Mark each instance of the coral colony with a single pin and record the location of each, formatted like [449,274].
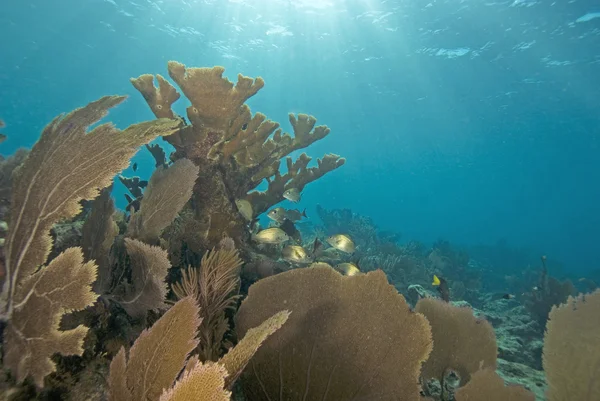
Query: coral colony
[185,296]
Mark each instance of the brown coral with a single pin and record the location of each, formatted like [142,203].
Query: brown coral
[66,165]
[346,338]
[572,350]
[98,234]
[33,334]
[148,289]
[238,357]
[160,353]
[461,342]
[234,149]
[169,189]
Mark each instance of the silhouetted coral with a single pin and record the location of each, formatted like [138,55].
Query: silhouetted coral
[234,150]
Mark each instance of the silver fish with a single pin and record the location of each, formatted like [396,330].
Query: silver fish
[279,214]
[292,194]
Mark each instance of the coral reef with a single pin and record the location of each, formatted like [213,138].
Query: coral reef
[234,149]
[99,304]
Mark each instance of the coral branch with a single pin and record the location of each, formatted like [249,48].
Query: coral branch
[158,98]
[297,176]
[216,102]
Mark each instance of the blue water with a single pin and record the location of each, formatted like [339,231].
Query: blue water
[465,120]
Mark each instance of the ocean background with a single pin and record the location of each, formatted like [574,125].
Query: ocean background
[473,121]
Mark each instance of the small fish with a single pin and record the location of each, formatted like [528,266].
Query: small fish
[279,214]
[342,242]
[317,246]
[245,209]
[290,229]
[347,269]
[442,287]
[134,167]
[502,295]
[321,264]
[292,194]
[273,235]
[295,253]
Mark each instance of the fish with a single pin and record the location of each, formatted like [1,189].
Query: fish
[502,295]
[347,269]
[292,194]
[442,287]
[342,242]
[321,264]
[279,214]
[273,235]
[245,209]
[295,254]
[317,246]
[290,229]
[134,167]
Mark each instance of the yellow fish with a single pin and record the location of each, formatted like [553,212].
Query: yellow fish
[295,253]
[342,242]
[436,280]
[273,235]
[245,209]
[347,269]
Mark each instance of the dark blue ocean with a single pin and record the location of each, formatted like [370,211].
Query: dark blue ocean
[477,122]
